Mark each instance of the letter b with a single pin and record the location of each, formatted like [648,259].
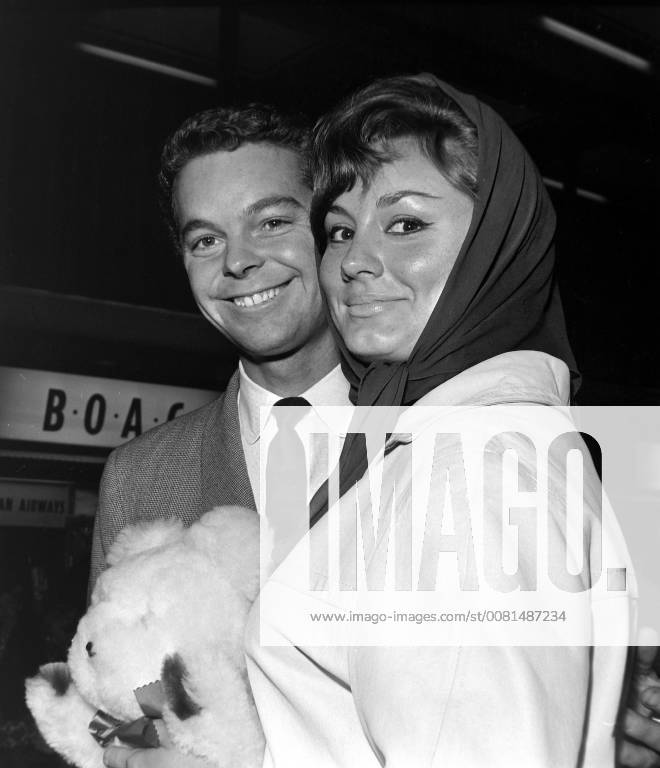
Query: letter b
[54,415]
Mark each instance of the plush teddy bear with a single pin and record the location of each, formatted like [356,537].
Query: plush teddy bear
[170,611]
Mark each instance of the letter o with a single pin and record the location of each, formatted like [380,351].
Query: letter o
[95,414]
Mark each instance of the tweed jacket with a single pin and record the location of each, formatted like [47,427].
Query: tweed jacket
[179,469]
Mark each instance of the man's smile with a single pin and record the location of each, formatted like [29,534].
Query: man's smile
[259,297]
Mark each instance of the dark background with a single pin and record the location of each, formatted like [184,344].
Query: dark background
[90,285]
[80,137]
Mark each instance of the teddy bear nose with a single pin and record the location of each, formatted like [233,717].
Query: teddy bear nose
[89,650]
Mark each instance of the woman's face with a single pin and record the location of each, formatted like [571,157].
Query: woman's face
[390,249]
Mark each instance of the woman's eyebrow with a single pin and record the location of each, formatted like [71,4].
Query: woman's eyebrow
[270,202]
[334,208]
[394,197]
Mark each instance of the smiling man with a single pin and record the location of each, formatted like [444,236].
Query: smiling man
[248,251]
[237,200]
[235,193]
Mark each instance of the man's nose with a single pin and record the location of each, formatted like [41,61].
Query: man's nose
[241,259]
[363,258]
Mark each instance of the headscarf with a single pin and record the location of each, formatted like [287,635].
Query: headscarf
[501,294]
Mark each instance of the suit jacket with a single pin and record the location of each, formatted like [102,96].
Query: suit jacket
[180,469]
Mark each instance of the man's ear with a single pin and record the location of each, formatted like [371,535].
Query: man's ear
[174,678]
[144,536]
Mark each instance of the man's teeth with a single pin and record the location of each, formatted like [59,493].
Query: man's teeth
[256,298]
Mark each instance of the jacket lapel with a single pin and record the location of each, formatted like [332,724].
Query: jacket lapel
[224,477]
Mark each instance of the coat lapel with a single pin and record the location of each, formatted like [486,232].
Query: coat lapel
[224,477]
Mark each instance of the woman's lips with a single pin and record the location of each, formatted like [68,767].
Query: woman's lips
[369,306]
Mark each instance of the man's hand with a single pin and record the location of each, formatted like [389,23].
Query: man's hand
[640,747]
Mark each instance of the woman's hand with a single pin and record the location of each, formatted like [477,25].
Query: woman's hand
[161,757]
[640,746]
[644,751]
[165,756]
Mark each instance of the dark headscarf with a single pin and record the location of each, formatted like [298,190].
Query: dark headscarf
[501,294]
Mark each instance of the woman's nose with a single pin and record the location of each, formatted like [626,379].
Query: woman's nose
[362,259]
[240,259]
[89,648]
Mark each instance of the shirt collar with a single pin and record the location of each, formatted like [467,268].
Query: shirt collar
[332,389]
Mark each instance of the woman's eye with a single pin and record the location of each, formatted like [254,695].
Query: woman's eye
[274,224]
[340,234]
[406,226]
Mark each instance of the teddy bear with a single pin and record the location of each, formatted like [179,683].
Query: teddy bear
[161,645]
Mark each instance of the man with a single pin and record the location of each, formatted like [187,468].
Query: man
[238,206]
[237,202]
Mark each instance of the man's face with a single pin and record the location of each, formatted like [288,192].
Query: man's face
[243,220]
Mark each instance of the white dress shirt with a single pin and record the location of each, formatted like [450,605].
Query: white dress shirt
[331,390]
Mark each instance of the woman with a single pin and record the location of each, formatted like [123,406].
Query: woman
[435,241]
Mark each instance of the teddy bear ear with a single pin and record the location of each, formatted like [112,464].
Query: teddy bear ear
[174,677]
[58,675]
[237,528]
[143,536]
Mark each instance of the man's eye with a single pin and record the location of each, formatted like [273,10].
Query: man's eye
[406,226]
[204,243]
[340,234]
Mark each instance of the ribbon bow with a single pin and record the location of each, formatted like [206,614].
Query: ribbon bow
[136,733]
